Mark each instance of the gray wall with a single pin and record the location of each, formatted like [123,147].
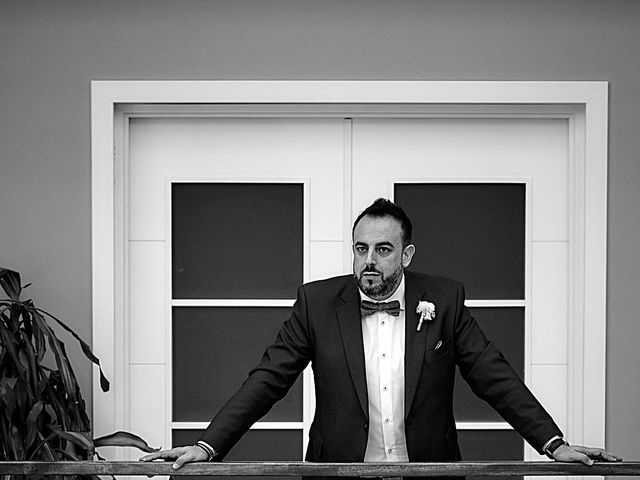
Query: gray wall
[50,51]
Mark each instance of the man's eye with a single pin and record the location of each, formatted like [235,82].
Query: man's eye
[384,250]
[361,249]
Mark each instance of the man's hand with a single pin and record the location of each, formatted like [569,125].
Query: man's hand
[182,455]
[586,455]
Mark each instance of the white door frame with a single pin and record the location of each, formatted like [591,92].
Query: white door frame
[584,104]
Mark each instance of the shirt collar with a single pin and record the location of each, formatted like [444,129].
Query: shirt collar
[397,295]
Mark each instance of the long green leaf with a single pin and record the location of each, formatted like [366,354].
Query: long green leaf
[8,398]
[104,383]
[124,439]
[64,455]
[44,446]
[15,440]
[32,424]
[25,360]
[62,362]
[57,400]
[4,433]
[76,438]
[22,398]
[10,344]
[40,344]
[10,283]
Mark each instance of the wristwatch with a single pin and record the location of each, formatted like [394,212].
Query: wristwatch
[553,446]
[208,449]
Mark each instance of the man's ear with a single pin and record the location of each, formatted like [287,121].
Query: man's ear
[407,255]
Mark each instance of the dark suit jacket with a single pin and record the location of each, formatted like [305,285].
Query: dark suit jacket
[325,329]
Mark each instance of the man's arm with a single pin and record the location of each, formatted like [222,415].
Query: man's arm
[281,364]
[491,377]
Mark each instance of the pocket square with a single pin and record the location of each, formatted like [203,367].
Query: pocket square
[438,345]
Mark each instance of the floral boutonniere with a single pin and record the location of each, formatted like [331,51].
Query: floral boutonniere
[427,311]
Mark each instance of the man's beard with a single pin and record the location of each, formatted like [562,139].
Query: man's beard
[383,289]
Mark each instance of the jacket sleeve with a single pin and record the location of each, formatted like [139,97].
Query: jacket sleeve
[281,364]
[492,378]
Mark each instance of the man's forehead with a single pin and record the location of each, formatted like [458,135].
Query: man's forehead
[378,229]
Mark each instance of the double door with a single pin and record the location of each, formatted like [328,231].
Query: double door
[228,214]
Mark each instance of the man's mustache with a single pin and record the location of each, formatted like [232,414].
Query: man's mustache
[370,269]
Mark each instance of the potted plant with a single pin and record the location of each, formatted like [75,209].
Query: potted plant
[42,412]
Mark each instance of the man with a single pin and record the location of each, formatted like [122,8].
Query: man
[384,344]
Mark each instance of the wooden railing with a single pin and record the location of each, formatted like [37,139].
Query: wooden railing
[448,469]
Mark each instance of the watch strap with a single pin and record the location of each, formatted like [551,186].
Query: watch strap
[208,449]
[553,446]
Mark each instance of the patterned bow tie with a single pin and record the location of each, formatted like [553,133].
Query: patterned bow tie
[369,308]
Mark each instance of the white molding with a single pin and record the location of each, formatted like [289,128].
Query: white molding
[495,303]
[483,426]
[347,111]
[240,302]
[589,196]
[300,426]
[255,426]
[103,258]
[394,92]
[348,203]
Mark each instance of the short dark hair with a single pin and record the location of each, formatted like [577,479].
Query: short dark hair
[383,207]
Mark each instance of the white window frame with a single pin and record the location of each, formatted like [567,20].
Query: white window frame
[584,104]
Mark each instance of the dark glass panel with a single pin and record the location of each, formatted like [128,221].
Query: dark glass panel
[491,445]
[504,326]
[214,349]
[473,232]
[237,240]
[255,445]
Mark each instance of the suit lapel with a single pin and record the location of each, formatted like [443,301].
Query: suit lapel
[414,341]
[351,331]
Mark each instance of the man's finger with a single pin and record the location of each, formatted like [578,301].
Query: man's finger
[161,454]
[151,456]
[578,455]
[585,459]
[599,453]
[608,456]
[182,459]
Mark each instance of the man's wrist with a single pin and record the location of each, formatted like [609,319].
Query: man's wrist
[207,449]
[553,445]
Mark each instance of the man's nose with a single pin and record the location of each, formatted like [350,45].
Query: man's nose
[371,257]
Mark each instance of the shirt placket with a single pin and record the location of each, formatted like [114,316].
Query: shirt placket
[386,392]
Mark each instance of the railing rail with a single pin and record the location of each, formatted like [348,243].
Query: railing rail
[446,469]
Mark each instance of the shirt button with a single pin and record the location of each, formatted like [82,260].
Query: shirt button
[386,420]
[382,322]
[384,355]
[390,450]
[385,388]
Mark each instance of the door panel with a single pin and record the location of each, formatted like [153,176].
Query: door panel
[233,214]
[446,169]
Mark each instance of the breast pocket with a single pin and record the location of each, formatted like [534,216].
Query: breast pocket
[439,352]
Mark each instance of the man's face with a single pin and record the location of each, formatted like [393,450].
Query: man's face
[378,256]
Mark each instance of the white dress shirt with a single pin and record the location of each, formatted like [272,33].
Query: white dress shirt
[383,337]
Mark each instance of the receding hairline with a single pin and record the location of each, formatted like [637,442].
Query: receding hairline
[403,234]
